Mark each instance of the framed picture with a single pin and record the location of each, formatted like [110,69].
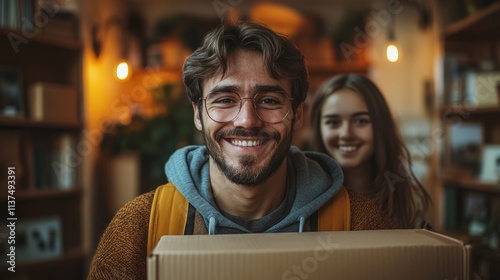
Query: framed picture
[11,91]
[476,212]
[490,164]
[464,146]
[39,239]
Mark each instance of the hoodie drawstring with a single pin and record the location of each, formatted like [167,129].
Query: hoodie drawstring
[302,222]
[211,226]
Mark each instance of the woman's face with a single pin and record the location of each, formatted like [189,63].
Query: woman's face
[346,129]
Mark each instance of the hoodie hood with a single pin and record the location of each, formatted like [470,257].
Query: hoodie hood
[315,176]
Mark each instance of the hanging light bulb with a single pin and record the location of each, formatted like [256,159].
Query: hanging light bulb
[122,70]
[392,50]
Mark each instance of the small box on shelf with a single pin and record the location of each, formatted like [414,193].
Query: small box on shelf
[44,98]
[61,26]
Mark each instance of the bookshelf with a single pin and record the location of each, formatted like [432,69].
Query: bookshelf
[43,141]
[467,121]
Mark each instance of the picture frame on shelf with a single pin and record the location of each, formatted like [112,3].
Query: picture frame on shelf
[464,146]
[39,239]
[11,91]
[490,164]
[481,89]
[475,213]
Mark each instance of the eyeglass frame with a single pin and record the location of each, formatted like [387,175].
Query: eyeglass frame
[290,99]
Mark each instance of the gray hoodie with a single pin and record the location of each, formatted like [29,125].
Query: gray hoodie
[313,177]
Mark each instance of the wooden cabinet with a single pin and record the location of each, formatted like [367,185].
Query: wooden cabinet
[467,137]
[42,146]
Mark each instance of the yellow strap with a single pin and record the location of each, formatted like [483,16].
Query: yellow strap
[336,214]
[168,214]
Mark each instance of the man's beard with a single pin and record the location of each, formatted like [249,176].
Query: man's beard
[248,176]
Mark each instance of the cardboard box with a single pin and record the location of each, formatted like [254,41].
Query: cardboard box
[346,255]
[53,103]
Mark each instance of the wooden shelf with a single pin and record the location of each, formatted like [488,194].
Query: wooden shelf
[473,39]
[35,147]
[453,110]
[71,256]
[22,123]
[483,25]
[471,184]
[25,195]
[66,44]
[67,266]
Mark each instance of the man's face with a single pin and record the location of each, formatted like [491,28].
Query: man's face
[246,149]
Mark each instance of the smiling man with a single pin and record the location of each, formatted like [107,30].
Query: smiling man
[247,86]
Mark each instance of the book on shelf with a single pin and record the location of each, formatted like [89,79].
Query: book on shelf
[40,160]
[452,80]
[53,103]
[54,162]
[62,162]
[28,16]
[490,164]
[10,155]
[11,91]
[17,14]
[482,88]
[3,13]
[450,208]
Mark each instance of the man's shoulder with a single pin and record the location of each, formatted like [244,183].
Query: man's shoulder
[140,205]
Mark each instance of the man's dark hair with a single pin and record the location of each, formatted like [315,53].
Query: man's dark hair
[282,57]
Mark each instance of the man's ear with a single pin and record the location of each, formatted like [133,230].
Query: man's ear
[299,117]
[197,117]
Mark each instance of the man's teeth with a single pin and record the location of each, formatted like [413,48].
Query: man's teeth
[347,148]
[245,143]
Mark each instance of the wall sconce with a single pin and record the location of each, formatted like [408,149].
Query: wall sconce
[392,50]
[132,24]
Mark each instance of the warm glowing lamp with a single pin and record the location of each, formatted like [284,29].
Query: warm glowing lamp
[392,52]
[132,24]
[122,70]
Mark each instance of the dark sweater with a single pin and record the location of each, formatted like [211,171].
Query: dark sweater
[121,253]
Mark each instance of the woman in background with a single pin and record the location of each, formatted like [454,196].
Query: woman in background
[352,123]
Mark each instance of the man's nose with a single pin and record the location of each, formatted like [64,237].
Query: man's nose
[247,117]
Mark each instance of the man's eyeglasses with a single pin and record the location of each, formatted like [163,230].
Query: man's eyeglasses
[271,107]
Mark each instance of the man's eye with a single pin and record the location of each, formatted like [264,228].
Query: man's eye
[225,101]
[269,101]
